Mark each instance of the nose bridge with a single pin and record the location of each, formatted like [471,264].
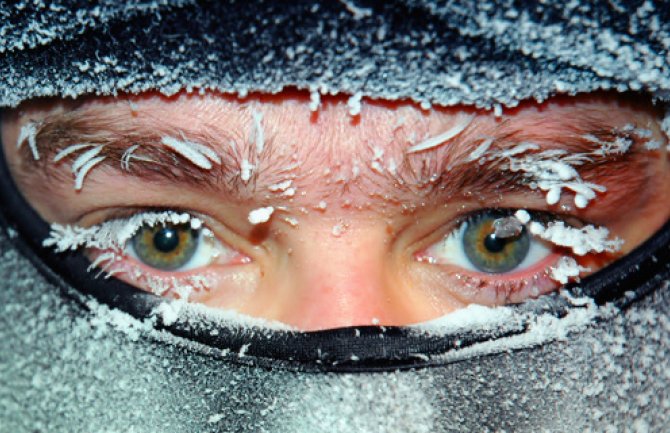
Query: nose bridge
[338,280]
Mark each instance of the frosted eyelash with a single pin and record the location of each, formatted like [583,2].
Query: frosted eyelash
[583,240]
[111,235]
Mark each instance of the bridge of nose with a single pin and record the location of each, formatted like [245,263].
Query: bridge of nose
[342,280]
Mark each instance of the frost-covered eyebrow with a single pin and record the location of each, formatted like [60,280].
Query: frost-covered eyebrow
[225,159]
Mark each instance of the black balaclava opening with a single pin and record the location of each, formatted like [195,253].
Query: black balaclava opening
[78,354]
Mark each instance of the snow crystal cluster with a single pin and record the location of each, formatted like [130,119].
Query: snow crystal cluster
[583,240]
[550,170]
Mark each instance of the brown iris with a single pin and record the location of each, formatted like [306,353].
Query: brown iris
[489,253]
[167,247]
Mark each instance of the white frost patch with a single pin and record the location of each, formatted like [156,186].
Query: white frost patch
[523,216]
[356,11]
[260,215]
[291,221]
[29,132]
[169,311]
[354,104]
[110,235]
[198,154]
[338,229]
[246,169]
[257,134]
[281,186]
[442,138]
[541,329]
[619,146]
[652,145]
[582,240]
[566,269]
[314,100]
[472,317]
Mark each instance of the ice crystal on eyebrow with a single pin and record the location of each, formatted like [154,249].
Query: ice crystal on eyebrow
[258,135]
[85,158]
[582,240]
[200,155]
[565,269]
[260,215]
[71,149]
[28,132]
[442,138]
[81,174]
[618,146]
[281,186]
[84,163]
[129,154]
[551,170]
[480,150]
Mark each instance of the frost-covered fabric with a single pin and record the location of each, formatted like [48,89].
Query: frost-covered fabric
[65,369]
[445,53]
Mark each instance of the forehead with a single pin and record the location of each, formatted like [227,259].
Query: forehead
[300,155]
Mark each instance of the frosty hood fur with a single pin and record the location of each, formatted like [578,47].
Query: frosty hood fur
[71,364]
[478,53]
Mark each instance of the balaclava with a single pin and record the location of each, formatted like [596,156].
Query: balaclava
[78,355]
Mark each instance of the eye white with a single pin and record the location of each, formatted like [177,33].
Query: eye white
[450,251]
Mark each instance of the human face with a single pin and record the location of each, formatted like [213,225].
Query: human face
[326,218]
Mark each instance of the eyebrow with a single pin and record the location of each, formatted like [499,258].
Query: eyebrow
[447,170]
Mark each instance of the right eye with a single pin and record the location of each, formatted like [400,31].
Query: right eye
[172,247]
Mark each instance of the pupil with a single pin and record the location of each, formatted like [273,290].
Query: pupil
[494,244]
[166,239]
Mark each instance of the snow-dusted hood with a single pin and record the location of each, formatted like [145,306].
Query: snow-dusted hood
[75,363]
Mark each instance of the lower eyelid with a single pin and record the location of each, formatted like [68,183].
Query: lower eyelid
[491,289]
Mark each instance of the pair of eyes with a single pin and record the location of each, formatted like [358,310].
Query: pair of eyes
[471,248]
[473,245]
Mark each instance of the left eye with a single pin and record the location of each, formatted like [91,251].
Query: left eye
[473,245]
[172,247]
